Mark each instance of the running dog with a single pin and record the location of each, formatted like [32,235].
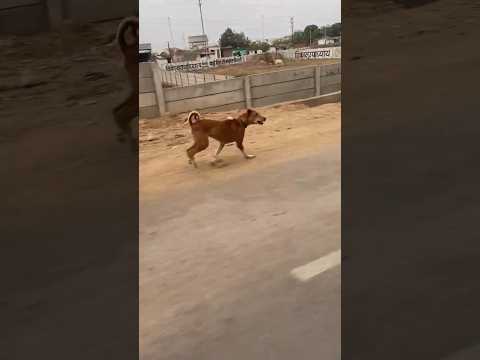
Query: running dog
[127,110]
[231,130]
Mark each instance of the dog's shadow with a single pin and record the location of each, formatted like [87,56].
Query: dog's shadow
[218,164]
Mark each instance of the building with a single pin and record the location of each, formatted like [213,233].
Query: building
[337,40]
[214,51]
[227,51]
[331,41]
[144,52]
[197,41]
[210,51]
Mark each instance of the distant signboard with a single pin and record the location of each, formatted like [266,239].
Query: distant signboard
[321,53]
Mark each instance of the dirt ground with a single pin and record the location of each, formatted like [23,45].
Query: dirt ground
[290,130]
[255,67]
[217,244]
[48,79]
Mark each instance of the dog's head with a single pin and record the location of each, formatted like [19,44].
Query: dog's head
[251,117]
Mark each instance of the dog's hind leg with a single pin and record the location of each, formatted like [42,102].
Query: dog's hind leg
[201,143]
[219,150]
[245,155]
[124,113]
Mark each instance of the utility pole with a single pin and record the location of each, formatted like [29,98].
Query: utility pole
[169,52]
[201,16]
[171,36]
[263,28]
[291,26]
[205,47]
[170,30]
[203,26]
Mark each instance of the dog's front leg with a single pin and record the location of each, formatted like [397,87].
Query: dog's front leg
[219,150]
[245,155]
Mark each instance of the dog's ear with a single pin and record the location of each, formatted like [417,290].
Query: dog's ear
[249,112]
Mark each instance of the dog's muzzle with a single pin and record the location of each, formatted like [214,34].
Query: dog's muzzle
[261,121]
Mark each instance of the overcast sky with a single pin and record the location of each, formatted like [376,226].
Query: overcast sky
[240,15]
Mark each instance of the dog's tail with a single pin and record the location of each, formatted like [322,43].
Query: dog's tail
[192,118]
[127,24]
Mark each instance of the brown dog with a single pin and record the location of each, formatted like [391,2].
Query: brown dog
[225,132]
[127,110]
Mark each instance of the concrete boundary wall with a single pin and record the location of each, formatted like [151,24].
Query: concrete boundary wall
[147,92]
[249,91]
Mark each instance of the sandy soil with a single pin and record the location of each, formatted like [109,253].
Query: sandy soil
[291,130]
[250,68]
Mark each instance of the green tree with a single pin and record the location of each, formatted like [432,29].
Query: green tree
[259,45]
[234,39]
[311,33]
[298,37]
[331,30]
[334,30]
[311,29]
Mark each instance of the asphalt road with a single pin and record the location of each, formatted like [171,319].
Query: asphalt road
[216,262]
[410,178]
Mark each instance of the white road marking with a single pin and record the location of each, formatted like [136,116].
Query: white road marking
[316,267]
